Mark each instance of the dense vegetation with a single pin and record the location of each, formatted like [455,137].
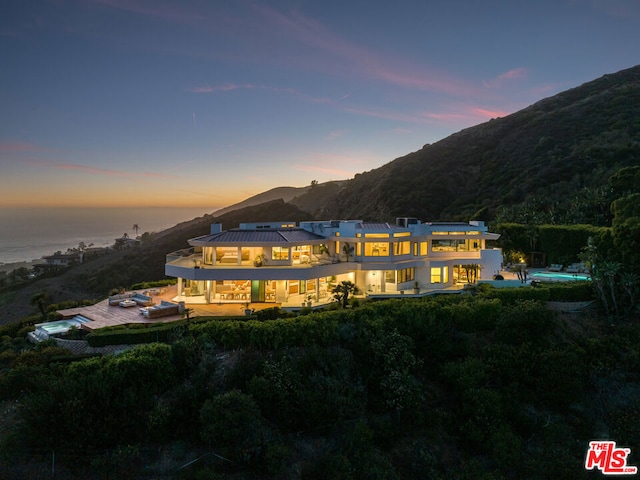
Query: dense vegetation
[468,386]
[555,155]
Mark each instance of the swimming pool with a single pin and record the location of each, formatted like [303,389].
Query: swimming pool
[559,276]
[44,330]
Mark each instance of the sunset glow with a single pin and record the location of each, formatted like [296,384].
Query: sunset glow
[166,103]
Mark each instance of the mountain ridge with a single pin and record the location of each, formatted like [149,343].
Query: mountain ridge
[572,140]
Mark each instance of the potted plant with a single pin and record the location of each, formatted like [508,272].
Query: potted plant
[416,287]
[247,311]
[259,260]
[309,302]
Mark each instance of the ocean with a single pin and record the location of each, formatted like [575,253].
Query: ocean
[27,234]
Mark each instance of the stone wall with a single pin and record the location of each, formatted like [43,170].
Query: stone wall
[81,347]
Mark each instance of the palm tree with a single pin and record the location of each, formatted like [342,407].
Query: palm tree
[136,228]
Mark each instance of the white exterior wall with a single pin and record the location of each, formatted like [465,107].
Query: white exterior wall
[366,272]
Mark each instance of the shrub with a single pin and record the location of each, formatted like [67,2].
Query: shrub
[134,334]
[570,292]
[524,321]
[510,296]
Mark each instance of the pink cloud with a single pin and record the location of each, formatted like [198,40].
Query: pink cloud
[481,112]
[342,56]
[516,73]
[335,134]
[508,76]
[443,116]
[317,47]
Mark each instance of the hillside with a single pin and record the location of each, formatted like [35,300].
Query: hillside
[553,149]
[279,193]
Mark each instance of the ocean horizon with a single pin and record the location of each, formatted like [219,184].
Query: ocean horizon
[29,233]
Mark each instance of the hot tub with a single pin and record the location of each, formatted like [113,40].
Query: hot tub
[45,330]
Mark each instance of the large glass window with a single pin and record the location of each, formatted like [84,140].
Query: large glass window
[401,248]
[406,275]
[455,245]
[279,253]
[376,249]
[301,254]
[400,276]
[208,255]
[227,255]
[439,274]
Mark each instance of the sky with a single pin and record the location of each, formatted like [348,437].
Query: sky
[208,102]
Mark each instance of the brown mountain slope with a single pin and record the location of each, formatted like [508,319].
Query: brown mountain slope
[279,193]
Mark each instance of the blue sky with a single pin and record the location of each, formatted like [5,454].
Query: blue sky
[205,103]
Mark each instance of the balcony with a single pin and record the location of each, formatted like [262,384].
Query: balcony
[188,264]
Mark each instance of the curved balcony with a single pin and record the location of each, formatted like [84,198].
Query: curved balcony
[188,264]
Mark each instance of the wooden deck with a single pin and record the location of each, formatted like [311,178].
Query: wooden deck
[104,315]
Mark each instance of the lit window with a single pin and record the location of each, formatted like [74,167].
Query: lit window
[376,235]
[376,249]
[279,253]
[401,248]
[436,275]
[406,275]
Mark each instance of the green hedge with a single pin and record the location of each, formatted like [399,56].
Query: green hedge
[509,296]
[563,243]
[570,291]
[560,243]
[317,329]
[134,334]
[422,318]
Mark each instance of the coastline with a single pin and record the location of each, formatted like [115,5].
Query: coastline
[10,267]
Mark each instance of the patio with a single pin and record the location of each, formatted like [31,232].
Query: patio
[104,315]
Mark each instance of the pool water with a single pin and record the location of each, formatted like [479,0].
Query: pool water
[62,326]
[559,276]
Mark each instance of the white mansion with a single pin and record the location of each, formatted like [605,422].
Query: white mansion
[294,265]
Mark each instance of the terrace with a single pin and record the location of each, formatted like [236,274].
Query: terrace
[103,315]
[193,258]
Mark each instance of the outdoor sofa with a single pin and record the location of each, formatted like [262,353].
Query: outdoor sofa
[140,299]
[162,310]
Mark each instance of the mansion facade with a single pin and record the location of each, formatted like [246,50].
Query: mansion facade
[299,264]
